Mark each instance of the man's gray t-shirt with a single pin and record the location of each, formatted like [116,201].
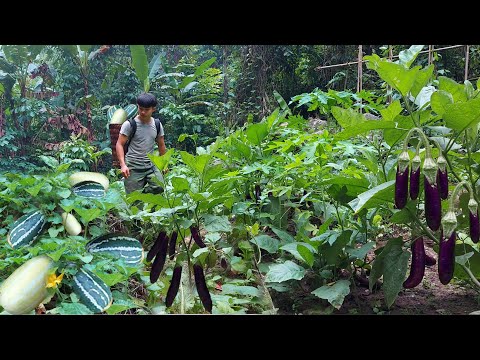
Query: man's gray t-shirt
[143,143]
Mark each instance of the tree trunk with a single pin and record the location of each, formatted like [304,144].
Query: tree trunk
[88,110]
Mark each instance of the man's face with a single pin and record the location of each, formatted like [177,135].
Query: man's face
[145,113]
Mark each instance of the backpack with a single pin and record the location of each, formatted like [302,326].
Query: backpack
[133,124]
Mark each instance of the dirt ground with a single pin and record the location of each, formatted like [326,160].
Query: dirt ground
[429,298]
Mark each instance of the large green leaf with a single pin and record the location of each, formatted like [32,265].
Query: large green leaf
[266,242]
[408,56]
[335,294]
[355,123]
[391,111]
[162,161]
[383,193]
[215,223]
[423,77]
[459,116]
[196,163]
[440,101]
[395,75]
[155,65]
[257,132]
[392,264]
[140,63]
[283,272]
[451,86]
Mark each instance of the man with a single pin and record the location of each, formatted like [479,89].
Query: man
[136,167]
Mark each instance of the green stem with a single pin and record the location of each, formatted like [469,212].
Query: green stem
[423,138]
[472,277]
[462,183]
[410,111]
[424,228]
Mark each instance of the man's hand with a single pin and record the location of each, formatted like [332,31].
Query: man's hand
[125,171]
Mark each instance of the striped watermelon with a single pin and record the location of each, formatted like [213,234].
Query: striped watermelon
[26,229]
[92,291]
[127,248]
[132,110]
[89,189]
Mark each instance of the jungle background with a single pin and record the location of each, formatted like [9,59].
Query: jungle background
[282,159]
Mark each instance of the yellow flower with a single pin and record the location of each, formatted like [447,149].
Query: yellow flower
[53,280]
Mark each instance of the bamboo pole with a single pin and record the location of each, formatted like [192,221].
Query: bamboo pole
[396,56]
[359,73]
[467,57]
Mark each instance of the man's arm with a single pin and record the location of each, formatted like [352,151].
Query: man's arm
[122,140]
[161,145]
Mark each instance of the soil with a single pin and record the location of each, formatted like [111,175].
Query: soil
[430,297]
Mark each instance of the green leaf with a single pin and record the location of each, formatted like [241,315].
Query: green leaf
[355,123]
[389,113]
[281,101]
[139,62]
[380,194]
[292,248]
[395,75]
[423,77]
[283,272]
[57,254]
[306,254]
[256,133]
[50,161]
[266,242]
[215,223]
[71,309]
[451,86]
[111,279]
[335,294]
[408,56]
[459,116]
[283,235]
[64,193]
[180,184]
[162,161]
[392,264]
[196,163]
[440,101]
[240,290]
[404,216]
[333,251]
[360,253]
[463,259]
[88,215]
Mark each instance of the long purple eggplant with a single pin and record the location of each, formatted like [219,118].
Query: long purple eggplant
[442,177]
[202,289]
[414,183]
[474,227]
[174,285]
[417,265]
[433,205]
[442,183]
[401,189]
[446,258]
[196,236]
[429,260]
[161,238]
[172,245]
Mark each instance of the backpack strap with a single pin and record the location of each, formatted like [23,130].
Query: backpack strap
[133,125]
[157,125]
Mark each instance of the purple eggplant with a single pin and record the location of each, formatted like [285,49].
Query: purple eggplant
[417,266]
[172,245]
[196,236]
[161,238]
[202,289]
[429,260]
[433,205]
[174,285]
[474,227]
[442,183]
[414,183]
[442,177]
[159,261]
[401,189]
[446,258]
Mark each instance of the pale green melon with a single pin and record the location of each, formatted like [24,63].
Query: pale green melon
[83,176]
[71,224]
[119,117]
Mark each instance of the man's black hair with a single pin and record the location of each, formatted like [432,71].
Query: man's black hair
[146,100]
